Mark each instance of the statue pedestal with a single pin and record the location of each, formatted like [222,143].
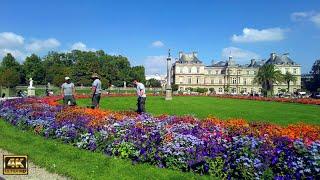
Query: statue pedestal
[168,94]
[31,91]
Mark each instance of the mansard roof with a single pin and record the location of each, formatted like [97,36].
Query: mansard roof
[189,58]
[280,60]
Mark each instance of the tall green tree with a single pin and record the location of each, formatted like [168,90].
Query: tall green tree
[315,72]
[10,71]
[288,77]
[33,68]
[267,76]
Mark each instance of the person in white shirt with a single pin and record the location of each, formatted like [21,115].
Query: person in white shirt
[141,93]
[96,90]
[67,92]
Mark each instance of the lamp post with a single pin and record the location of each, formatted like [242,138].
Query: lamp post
[168,86]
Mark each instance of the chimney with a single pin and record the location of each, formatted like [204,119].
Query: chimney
[273,56]
[195,54]
[180,54]
[253,61]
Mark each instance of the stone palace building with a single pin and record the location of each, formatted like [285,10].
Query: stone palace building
[228,76]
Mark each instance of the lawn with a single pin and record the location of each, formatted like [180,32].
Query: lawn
[78,164]
[201,107]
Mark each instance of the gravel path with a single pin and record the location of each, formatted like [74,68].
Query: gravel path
[35,172]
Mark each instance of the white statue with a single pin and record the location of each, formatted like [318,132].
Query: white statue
[30,83]
[124,84]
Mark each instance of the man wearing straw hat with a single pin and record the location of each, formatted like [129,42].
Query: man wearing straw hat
[68,91]
[96,90]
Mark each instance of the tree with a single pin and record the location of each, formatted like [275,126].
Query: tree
[10,71]
[315,72]
[288,77]
[33,68]
[9,78]
[175,87]
[266,77]
[153,82]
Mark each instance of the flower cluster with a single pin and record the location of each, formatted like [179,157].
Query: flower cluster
[221,148]
[287,100]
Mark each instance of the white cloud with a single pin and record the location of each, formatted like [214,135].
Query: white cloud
[155,65]
[9,40]
[311,16]
[298,16]
[40,45]
[81,46]
[256,35]
[239,55]
[157,44]
[316,19]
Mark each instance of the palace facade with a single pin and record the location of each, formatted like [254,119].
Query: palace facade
[228,76]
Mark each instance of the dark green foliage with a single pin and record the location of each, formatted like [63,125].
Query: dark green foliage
[153,83]
[78,65]
[174,87]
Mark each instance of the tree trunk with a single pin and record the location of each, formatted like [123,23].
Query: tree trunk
[288,83]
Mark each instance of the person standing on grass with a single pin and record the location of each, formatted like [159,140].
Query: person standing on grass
[96,90]
[141,93]
[67,92]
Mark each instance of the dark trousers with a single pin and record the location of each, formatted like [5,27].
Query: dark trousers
[68,98]
[141,104]
[96,100]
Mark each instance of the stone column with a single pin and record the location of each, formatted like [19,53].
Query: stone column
[168,86]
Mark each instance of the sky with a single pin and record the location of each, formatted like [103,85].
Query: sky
[144,30]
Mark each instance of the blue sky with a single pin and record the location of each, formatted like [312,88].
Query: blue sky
[145,30]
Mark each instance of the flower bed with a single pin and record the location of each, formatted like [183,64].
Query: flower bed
[225,149]
[288,100]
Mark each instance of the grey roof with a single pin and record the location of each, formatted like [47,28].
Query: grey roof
[257,63]
[189,59]
[219,64]
[281,59]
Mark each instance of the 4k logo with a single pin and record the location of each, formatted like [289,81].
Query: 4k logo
[15,165]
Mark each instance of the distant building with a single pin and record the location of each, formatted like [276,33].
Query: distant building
[227,76]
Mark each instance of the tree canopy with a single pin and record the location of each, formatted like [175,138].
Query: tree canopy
[78,65]
[267,76]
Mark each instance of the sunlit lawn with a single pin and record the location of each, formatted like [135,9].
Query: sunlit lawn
[201,107]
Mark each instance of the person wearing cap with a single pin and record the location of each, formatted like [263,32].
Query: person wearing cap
[141,93]
[68,91]
[96,90]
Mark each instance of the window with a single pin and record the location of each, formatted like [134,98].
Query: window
[294,71]
[245,90]
[212,81]
[198,81]
[220,90]
[220,81]
[209,71]
[245,81]
[248,72]
[198,70]
[287,70]
[189,80]
[234,80]
[189,70]
[217,72]
[181,70]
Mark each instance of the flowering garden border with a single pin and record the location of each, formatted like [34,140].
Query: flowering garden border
[232,148]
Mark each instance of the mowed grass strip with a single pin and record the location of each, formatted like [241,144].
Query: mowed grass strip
[202,107]
[72,162]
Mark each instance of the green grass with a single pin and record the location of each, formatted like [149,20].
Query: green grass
[201,107]
[78,164]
